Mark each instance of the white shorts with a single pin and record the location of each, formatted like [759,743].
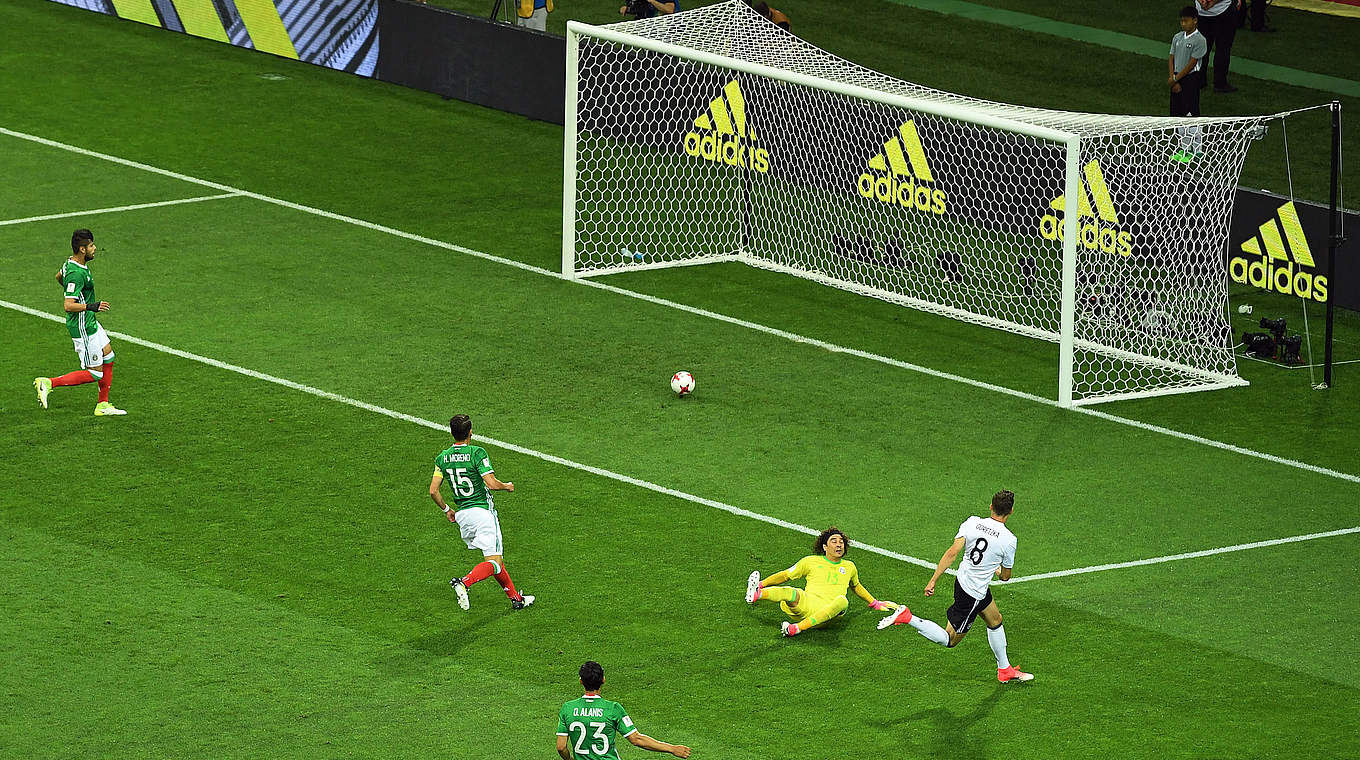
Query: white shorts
[481,529]
[91,349]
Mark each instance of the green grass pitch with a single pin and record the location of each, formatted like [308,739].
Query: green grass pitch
[248,568]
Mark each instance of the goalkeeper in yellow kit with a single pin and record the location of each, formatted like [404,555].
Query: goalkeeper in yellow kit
[828,577]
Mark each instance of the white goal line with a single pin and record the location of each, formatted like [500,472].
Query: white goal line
[116,209]
[794,337]
[319,393]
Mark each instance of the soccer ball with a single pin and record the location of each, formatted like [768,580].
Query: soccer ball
[682,383]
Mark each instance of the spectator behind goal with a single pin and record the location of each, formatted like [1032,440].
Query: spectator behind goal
[772,15]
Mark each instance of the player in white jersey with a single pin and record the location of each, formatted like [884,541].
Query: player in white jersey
[989,548]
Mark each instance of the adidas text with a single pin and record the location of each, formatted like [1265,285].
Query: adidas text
[1091,236]
[905,194]
[731,151]
[1282,279]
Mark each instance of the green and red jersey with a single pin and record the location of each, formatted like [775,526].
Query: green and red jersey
[463,467]
[78,283]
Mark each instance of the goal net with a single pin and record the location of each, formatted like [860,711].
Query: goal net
[713,135]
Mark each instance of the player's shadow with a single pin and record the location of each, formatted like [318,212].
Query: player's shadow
[777,648]
[449,640]
[937,732]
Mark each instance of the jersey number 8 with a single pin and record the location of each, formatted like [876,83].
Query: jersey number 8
[978,551]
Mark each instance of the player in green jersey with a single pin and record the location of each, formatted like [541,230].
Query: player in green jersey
[829,575]
[471,479]
[91,342]
[587,728]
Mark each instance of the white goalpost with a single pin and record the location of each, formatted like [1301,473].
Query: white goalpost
[713,135]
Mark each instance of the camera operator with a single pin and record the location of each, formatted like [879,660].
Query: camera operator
[640,9]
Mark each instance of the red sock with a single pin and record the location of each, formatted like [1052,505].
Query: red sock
[79,377]
[106,381]
[481,572]
[503,578]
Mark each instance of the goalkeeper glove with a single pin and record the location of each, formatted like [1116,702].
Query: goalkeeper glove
[884,604]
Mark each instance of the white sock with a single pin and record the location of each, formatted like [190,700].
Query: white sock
[997,638]
[930,630]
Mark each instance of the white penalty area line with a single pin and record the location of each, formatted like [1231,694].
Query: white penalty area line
[1186,555]
[116,209]
[794,337]
[600,471]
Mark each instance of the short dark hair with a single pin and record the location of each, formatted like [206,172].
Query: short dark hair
[80,238]
[819,546]
[762,8]
[1189,11]
[461,427]
[592,675]
[1003,502]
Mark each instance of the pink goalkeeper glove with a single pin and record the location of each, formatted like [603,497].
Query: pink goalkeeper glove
[883,604]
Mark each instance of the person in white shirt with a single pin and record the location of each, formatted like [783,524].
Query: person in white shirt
[989,550]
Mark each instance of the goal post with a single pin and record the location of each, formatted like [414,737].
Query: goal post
[713,136]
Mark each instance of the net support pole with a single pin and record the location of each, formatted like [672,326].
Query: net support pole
[1333,238]
[1071,229]
[569,155]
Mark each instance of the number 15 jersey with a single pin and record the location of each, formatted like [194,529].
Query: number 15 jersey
[462,468]
[987,545]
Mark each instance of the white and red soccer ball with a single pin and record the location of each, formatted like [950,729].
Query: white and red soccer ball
[682,383]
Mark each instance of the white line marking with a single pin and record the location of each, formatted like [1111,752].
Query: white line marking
[644,483]
[696,311]
[494,442]
[1186,555]
[116,209]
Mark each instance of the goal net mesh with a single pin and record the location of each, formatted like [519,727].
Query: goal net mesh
[679,161]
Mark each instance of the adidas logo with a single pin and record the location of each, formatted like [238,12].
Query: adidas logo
[1102,231]
[726,137]
[908,183]
[1291,249]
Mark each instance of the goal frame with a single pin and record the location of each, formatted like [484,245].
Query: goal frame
[1071,143]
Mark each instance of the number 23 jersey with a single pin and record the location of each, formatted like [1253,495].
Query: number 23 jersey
[987,545]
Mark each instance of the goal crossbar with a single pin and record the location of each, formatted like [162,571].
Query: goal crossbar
[579,29]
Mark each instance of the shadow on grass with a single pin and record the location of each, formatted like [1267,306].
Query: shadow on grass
[939,732]
[448,640]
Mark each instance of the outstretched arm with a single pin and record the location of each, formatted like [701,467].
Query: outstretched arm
[950,554]
[876,604]
[644,741]
[493,483]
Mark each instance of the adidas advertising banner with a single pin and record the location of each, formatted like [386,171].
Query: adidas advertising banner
[1281,246]
[337,34]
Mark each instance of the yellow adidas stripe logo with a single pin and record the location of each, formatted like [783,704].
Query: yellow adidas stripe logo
[903,151]
[199,18]
[1094,185]
[726,114]
[1288,218]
